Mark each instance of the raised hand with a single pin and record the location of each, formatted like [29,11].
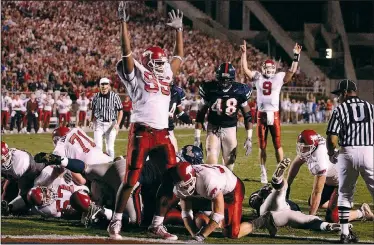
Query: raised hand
[122,15]
[176,19]
[244,47]
[297,48]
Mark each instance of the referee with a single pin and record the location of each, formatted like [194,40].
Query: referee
[106,116]
[352,127]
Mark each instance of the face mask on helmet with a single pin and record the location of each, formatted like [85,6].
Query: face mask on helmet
[6,156]
[42,196]
[304,150]
[307,142]
[268,69]
[58,133]
[155,59]
[187,180]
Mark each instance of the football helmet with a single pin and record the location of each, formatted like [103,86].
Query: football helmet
[6,156]
[268,68]
[184,179]
[41,196]
[80,201]
[193,154]
[307,142]
[154,59]
[225,75]
[58,133]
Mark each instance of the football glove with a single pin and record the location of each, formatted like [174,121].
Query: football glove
[176,19]
[122,15]
[248,146]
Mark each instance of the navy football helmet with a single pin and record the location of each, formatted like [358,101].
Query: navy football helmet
[225,75]
[192,154]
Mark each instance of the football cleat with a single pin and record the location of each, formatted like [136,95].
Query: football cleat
[114,229]
[350,238]
[48,158]
[264,177]
[92,215]
[161,232]
[279,171]
[366,211]
[333,227]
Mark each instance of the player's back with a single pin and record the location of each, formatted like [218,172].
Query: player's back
[150,96]
[78,145]
[268,91]
[224,104]
[213,179]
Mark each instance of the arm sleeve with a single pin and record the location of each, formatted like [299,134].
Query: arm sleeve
[333,126]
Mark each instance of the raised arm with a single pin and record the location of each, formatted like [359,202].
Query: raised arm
[127,59]
[176,21]
[250,74]
[296,57]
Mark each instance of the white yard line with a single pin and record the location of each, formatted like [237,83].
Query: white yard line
[79,237]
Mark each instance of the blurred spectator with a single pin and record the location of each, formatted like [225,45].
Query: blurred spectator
[6,104]
[329,107]
[127,107]
[47,112]
[32,114]
[16,116]
[83,103]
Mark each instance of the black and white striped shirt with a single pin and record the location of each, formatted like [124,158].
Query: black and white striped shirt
[105,107]
[353,122]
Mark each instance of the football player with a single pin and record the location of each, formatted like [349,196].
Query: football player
[311,149]
[268,85]
[273,201]
[52,192]
[177,96]
[149,90]
[76,151]
[222,98]
[18,166]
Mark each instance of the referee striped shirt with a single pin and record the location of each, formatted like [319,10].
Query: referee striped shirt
[352,121]
[106,106]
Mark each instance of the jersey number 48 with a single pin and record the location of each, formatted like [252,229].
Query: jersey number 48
[230,106]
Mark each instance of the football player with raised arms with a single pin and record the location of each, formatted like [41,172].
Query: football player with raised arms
[268,85]
[148,85]
[223,98]
[311,149]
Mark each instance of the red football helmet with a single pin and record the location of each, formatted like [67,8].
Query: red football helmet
[58,133]
[307,142]
[185,179]
[41,196]
[268,68]
[80,201]
[154,59]
[6,156]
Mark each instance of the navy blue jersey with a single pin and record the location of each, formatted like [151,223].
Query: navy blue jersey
[224,104]
[177,95]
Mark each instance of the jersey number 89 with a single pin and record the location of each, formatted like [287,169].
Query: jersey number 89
[230,106]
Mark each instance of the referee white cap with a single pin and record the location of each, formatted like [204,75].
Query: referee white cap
[104,80]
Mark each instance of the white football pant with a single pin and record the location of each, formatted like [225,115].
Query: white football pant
[221,138]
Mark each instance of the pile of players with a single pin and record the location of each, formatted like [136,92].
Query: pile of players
[154,185]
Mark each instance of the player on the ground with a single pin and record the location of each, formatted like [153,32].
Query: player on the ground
[177,96]
[283,213]
[223,98]
[76,151]
[311,149]
[268,85]
[18,165]
[149,91]
[52,192]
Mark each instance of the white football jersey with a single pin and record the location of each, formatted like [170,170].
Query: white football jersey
[6,102]
[214,179]
[268,91]
[83,104]
[48,104]
[62,106]
[320,165]
[62,190]
[78,145]
[19,164]
[150,96]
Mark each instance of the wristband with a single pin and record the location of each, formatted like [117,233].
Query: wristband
[179,29]
[128,55]
[216,217]
[249,133]
[197,133]
[187,214]
[296,57]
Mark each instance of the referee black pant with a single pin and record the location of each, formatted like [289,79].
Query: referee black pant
[32,119]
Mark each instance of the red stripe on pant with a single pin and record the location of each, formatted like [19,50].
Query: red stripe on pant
[4,118]
[233,210]
[82,116]
[263,129]
[62,116]
[40,114]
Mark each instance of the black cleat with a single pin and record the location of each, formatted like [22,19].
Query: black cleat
[350,238]
[48,158]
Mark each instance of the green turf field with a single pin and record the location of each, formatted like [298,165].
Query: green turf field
[247,168]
